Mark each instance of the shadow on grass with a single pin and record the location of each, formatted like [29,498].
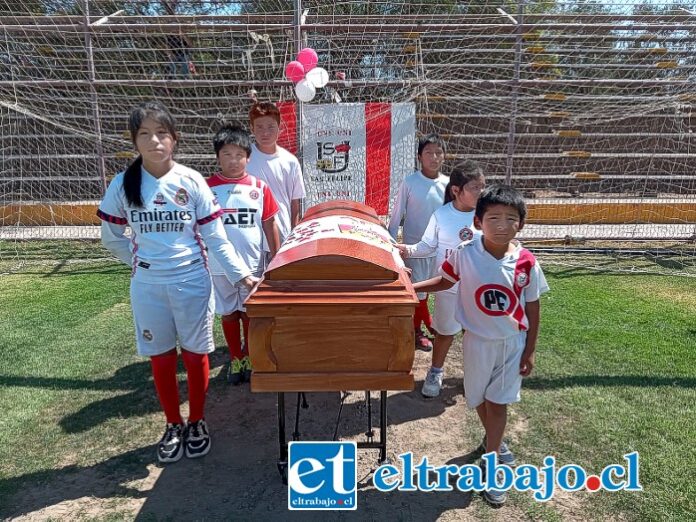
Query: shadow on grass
[106,479]
[238,479]
[66,268]
[126,378]
[135,380]
[139,398]
[246,448]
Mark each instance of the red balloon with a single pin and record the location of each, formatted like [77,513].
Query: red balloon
[308,58]
[294,71]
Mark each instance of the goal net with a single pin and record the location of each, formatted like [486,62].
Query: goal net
[585,106]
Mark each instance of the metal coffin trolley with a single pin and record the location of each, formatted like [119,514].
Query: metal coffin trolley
[334,312]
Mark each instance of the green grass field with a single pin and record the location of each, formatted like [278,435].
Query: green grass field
[616,372]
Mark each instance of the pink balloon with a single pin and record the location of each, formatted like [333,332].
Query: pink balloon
[294,71]
[308,58]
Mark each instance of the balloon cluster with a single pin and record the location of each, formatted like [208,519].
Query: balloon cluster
[305,74]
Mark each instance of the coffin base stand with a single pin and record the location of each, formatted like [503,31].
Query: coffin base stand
[370,443]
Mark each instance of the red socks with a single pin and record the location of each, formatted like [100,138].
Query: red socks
[164,373]
[245,326]
[198,371]
[422,315]
[231,330]
[417,319]
[425,314]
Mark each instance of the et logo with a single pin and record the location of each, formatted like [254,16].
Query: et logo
[322,475]
[495,300]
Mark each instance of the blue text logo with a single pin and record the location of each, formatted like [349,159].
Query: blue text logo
[542,481]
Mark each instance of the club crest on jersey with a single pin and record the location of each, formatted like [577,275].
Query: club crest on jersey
[147,335]
[495,300]
[254,194]
[522,279]
[159,199]
[465,234]
[181,197]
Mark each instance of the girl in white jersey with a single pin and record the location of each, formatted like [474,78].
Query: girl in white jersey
[449,225]
[170,210]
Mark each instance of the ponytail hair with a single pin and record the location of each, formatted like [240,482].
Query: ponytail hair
[132,178]
[461,174]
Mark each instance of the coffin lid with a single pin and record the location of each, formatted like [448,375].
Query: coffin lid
[337,240]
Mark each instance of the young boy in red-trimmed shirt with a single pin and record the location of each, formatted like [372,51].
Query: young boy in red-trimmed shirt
[249,214]
[498,306]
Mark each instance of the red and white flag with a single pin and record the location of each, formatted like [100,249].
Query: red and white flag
[355,151]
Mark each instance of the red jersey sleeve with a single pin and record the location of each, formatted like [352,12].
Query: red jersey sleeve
[270,205]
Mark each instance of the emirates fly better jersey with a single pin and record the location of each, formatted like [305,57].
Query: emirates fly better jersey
[447,228]
[179,212]
[418,197]
[492,292]
[246,202]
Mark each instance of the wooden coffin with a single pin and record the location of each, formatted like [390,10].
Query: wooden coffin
[335,308]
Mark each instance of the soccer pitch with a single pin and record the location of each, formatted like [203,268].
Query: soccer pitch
[616,372]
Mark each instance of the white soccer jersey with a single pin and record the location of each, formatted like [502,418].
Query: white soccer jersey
[246,202]
[447,228]
[417,199]
[179,211]
[493,292]
[282,173]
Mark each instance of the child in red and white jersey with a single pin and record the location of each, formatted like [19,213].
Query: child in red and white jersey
[249,215]
[498,305]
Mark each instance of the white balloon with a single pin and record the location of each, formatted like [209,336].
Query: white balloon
[318,76]
[305,91]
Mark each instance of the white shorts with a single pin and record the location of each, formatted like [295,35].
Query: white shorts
[229,297]
[164,311]
[444,322]
[492,369]
[422,268]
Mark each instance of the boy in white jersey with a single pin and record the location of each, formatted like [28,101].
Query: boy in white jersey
[275,166]
[449,225]
[170,211]
[498,305]
[250,211]
[419,195]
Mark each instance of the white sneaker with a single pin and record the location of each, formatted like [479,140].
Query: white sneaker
[432,384]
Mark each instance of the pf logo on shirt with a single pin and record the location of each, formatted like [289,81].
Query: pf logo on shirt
[495,300]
